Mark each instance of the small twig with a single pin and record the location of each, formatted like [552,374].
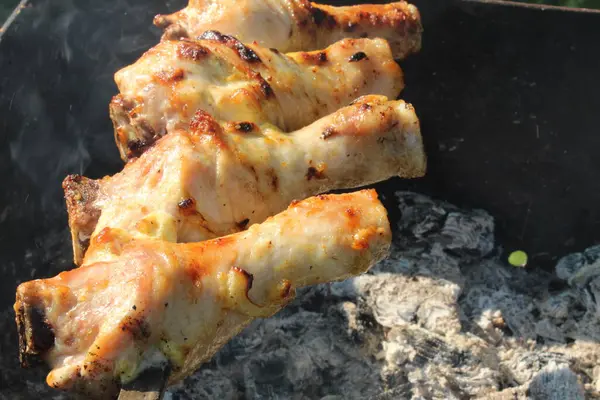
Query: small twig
[149,385]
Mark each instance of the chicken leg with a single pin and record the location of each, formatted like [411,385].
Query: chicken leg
[294,25]
[97,325]
[233,82]
[216,179]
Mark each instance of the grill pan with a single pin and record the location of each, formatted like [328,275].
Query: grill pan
[507,96]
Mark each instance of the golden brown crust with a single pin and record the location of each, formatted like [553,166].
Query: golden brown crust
[192,51]
[399,23]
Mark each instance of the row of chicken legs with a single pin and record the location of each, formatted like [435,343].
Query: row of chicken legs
[221,131]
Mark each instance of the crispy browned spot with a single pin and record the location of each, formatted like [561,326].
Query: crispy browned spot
[322,18]
[265,88]
[253,172]
[244,127]
[189,50]
[274,179]
[243,224]
[148,136]
[362,237]
[203,123]
[245,53]
[395,17]
[328,132]
[170,76]
[376,18]
[350,26]
[353,216]
[138,327]
[186,203]
[224,241]
[84,244]
[358,56]
[314,173]
[137,147]
[285,289]
[317,58]
[185,350]
[146,128]
[187,206]
[194,273]
[360,244]
[69,341]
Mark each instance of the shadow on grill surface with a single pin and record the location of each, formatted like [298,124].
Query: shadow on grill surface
[508,100]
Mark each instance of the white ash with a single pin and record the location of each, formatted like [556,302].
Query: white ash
[441,318]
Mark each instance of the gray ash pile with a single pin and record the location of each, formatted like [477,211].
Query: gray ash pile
[443,318]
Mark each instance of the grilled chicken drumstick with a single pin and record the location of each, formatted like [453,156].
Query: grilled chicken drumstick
[216,179]
[95,325]
[234,82]
[293,25]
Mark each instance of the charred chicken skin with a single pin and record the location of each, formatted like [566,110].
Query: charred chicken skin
[232,81]
[216,178]
[294,25]
[96,325]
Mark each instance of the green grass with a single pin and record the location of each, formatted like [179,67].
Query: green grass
[567,3]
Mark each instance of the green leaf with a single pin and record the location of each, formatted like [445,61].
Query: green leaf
[518,258]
